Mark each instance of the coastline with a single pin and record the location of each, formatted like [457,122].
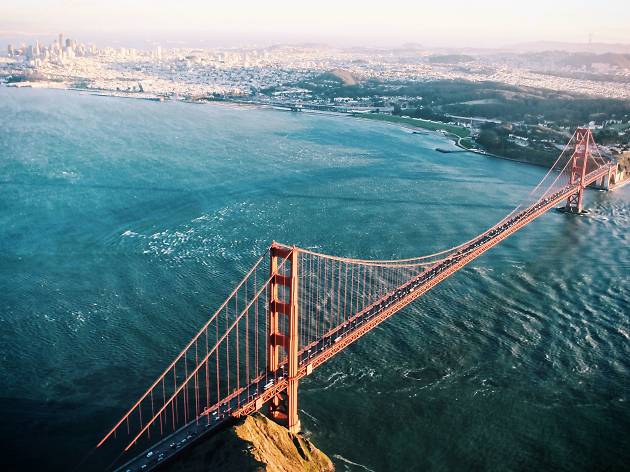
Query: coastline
[248,103]
[454,138]
[154,210]
[242,103]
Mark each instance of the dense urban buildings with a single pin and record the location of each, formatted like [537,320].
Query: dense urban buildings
[499,101]
[244,71]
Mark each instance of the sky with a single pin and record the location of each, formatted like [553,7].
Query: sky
[452,23]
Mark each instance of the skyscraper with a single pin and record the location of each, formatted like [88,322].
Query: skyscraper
[10,50]
[61,41]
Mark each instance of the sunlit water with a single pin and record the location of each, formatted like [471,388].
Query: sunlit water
[123,223]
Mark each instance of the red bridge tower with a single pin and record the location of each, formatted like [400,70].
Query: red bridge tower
[283,333]
[580,160]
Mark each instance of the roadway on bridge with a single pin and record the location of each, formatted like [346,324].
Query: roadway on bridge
[250,397]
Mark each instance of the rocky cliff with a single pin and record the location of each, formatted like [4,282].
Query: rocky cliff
[255,443]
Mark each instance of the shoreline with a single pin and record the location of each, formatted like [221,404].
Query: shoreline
[454,138]
[243,103]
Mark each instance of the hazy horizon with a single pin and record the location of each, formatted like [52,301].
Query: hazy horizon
[458,24]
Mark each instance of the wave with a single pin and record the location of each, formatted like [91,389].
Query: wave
[355,464]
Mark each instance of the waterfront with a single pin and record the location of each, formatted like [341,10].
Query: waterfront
[125,222]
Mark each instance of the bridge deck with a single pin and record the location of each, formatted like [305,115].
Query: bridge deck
[251,397]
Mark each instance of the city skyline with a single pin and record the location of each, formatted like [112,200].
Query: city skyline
[484,24]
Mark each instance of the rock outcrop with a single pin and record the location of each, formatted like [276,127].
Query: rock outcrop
[257,444]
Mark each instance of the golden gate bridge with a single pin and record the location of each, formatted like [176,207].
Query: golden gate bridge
[295,309]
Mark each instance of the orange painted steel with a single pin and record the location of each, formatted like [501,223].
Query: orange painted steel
[579,164]
[400,304]
[179,356]
[307,306]
[529,216]
[283,405]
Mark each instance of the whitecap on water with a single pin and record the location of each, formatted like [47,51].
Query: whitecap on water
[310,416]
[76,320]
[334,378]
[65,174]
[355,464]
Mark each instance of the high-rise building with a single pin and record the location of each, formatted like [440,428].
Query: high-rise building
[10,50]
[61,41]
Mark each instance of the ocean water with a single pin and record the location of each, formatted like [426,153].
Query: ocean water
[124,223]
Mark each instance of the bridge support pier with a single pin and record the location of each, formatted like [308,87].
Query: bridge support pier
[609,178]
[606,180]
[283,333]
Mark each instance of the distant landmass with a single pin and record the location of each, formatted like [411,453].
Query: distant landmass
[596,48]
[588,59]
[450,58]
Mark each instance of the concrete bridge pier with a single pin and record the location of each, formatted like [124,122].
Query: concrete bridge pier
[605,185]
[607,180]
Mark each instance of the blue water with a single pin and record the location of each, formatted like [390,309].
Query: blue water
[123,223]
